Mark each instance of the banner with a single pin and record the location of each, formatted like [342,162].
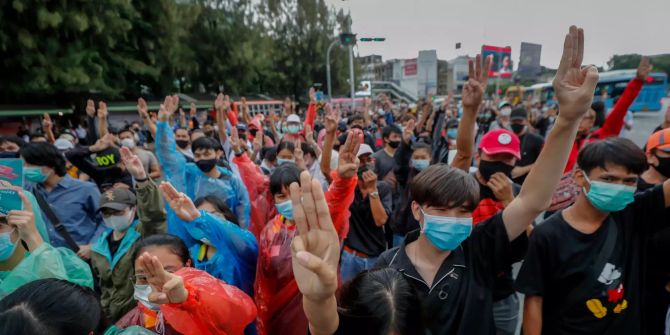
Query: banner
[411,67]
[529,61]
[11,170]
[502,60]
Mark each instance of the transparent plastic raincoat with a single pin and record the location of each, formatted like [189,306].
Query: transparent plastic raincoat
[187,177]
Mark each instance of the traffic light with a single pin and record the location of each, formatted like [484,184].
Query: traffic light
[347,39]
[373,39]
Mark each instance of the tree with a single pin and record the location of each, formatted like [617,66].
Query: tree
[661,63]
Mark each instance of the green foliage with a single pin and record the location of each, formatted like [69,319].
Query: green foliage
[63,51]
[661,63]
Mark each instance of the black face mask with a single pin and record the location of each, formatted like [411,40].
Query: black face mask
[9,154]
[488,168]
[517,128]
[183,144]
[206,165]
[253,132]
[394,144]
[663,166]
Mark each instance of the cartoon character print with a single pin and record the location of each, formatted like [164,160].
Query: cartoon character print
[610,275]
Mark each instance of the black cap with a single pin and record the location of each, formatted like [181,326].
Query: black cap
[117,199]
[519,114]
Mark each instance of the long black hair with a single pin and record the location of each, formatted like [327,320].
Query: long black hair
[220,206]
[379,301]
[51,306]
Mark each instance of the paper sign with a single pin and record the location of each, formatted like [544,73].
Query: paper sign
[11,170]
[9,200]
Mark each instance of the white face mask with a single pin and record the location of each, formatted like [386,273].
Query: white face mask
[119,222]
[128,143]
[142,295]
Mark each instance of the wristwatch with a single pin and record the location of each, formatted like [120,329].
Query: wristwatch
[374,195]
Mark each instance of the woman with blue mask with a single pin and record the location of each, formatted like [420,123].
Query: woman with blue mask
[26,255]
[285,152]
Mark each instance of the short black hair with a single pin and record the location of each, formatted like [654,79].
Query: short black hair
[307,149]
[355,117]
[205,143]
[288,145]
[269,154]
[174,243]
[613,150]
[599,108]
[51,306]
[220,205]
[379,301]
[195,130]
[422,146]
[126,129]
[283,176]
[44,154]
[442,186]
[390,129]
[14,139]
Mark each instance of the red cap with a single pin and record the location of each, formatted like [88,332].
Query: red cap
[500,141]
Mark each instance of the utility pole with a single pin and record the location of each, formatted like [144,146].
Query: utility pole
[352,84]
[330,47]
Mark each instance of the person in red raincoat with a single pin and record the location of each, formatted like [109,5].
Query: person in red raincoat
[174,298]
[277,296]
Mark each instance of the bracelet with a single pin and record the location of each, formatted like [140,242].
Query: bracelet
[141,180]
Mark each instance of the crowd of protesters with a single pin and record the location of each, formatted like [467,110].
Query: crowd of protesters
[384,219]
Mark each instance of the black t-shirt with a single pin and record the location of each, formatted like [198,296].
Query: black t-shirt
[384,164]
[113,244]
[364,235]
[560,259]
[531,146]
[461,298]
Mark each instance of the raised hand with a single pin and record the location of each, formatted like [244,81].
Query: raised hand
[142,109]
[102,143]
[192,112]
[332,118]
[102,110]
[90,108]
[369,181]
[312,95]
[501,186]
[478,79]
[24,221]
[644,68]
[258,141]
[316,249]
[309,135]
[180,203]
[167,288]
[173,104]
[235,140]
[299,158]
[574,85]
[133,164]
[46,122]
[409,131]
[347,164]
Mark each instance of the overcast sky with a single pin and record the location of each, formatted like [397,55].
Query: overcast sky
[611,26]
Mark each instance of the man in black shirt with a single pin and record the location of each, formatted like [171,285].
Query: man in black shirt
[370,210]
[583,273]
[385,164]
[531,145]
[453,266]
[102,162]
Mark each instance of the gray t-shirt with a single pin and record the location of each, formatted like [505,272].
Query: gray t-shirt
[148,159]
[384,164]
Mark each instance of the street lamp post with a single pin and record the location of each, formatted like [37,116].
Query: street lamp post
[330,47]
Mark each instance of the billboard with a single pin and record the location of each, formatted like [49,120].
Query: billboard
[411,67]
[529,61]
[502,60]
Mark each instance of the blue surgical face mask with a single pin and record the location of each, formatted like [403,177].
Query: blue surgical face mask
[285,209]
[293,129]
[142,295]
[452,133]
[445,232]
[34,174]
[7,248]
[608,197]
[281,161]
[420,164]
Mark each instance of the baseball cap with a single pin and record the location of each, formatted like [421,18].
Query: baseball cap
[242,126]
[63,144]
[501,141]
[364,149]
[659,140]
[503,104]
[519,114]
[293,118]
[117,199]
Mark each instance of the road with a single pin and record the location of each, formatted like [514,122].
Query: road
[645,123]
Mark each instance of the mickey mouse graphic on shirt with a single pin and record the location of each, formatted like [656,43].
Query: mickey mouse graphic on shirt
[610,275]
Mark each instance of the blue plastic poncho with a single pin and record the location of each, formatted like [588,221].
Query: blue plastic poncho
[187,177]
[236,248]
